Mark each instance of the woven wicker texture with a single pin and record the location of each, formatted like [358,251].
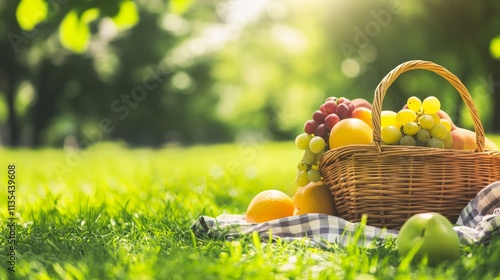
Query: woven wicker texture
[392,183]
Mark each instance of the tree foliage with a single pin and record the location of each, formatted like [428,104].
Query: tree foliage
[151,72]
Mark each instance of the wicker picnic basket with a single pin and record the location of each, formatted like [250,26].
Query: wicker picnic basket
[391,183]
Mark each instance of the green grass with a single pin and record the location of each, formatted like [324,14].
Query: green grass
[118,213]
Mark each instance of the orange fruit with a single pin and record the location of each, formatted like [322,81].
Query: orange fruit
[350,131]
[313,198]
[269,205]
[363,114]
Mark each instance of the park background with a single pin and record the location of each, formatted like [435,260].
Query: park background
[153,73]
[125,121]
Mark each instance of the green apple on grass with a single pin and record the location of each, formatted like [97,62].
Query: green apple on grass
[429,234]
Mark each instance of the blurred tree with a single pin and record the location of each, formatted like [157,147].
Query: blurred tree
[31,57]
[298,54]
[118,79]
[456,36]
[10,72]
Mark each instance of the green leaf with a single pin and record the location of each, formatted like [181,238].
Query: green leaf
[127,16]
[74,33]
[90,15]
[30,13]
[180,6]
[495,47]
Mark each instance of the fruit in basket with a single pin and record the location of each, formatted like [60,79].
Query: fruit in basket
[405,116]
[414,104]
[423,136]
[302,141]
[302,178]
[344,111]
[361,102]
[407,140]
[350,131]
[443,115]
[269,205]
[435,143]
[313,147]
[387,118]
[329,107]
[313,175]
[309,158]
[331,120]
[317,144]
[426,121]
[411,128]
[321,131]
[431,105]
[308,167]
[448,141]
[363,114]
[319,116]
[391,135]
[464,139]
[447,124]
[308,170]
[439,131]
[313,198]
[330,113]
[310,126]
[432,236]
[437,119]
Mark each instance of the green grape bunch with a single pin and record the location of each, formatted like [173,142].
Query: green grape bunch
[314,140]
[418,124]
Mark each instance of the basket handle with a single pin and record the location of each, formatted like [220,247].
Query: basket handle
[382,87]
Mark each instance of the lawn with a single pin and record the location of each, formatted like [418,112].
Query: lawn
[120,213]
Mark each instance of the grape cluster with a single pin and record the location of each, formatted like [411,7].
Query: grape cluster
[329,113]
[417,124]
[314,140]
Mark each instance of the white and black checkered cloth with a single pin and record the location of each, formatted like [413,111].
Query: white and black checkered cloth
[478,223]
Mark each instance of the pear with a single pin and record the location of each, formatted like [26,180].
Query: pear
[464,139]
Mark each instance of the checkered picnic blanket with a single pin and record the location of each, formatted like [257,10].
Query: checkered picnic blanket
[478,223]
